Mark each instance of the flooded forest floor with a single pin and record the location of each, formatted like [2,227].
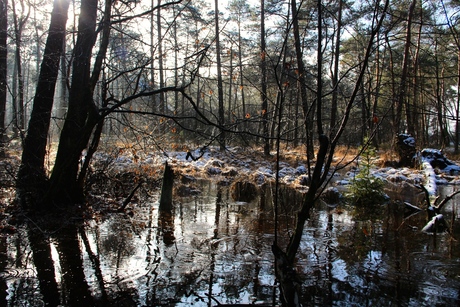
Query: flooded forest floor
[214,246]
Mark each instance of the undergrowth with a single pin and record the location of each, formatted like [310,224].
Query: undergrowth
[365,188]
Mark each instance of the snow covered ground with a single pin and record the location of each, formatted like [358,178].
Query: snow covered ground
[242,163]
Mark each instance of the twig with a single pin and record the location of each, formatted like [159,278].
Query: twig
[130,196]
[427,194]
[445,200]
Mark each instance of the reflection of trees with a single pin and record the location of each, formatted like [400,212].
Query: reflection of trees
[118,244]
[75,289]
[214,246]
[3,261]
[95,263]
[152,261]
[166,226]
[377,259]
[342,259]
[41,253]
[240,249]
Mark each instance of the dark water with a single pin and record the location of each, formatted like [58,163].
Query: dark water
[211,250]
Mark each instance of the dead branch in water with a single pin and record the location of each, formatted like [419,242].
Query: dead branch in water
[130,196]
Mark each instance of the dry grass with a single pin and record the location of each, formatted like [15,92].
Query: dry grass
[386,157]
[345,154]
[451,155]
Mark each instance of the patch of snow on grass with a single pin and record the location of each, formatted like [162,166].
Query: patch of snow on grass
[397,178]
[408,139]
[300,170]
[265,170]
[452,169]
[286,171]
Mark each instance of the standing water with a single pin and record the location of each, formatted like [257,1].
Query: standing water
[211,250]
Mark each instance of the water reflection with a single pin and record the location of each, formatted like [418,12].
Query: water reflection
[210,250]
[44,266]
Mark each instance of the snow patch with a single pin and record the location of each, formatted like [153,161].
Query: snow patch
[301,170]
[430,175]
[265,170]
[408,140]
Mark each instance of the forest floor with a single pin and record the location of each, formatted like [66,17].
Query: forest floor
[238,164]
[116,171]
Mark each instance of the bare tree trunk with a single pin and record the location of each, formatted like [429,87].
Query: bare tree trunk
[457,109]
[440,104]
[411,109]
[18,99]
[162,103]
[307,109]
[220,86]
[297,126]
[3,70]
[456,37]
[66,184]
[176,61]
[263,84]
[365,115]
[81,116]
[152,56]
[230,86]
[405,70]
[391,67]
[319,69]
[240,65]
[326,150]
[335,76]
[62,107]
[31,174]
[375,101]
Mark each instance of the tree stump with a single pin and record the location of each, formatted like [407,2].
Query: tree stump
[405,147]
[166,199]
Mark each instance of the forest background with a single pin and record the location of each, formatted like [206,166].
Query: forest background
[183,75]
[191,73]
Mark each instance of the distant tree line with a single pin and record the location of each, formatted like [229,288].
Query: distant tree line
[411,84]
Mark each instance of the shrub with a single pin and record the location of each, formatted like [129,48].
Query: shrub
[365,188]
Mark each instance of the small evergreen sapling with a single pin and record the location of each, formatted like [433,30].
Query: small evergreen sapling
[365,188]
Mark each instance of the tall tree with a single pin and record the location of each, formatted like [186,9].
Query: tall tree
[3,69]
[263,80]
[82,114]
[335,73]
[405,70]
[411,108]
[301,75]
[83,124]
[152,54]
[162,102]
[319,69]
[239,9]
[18,80]
[453,28]
[31,174]
[220,86]
[327,149]
[440,89]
